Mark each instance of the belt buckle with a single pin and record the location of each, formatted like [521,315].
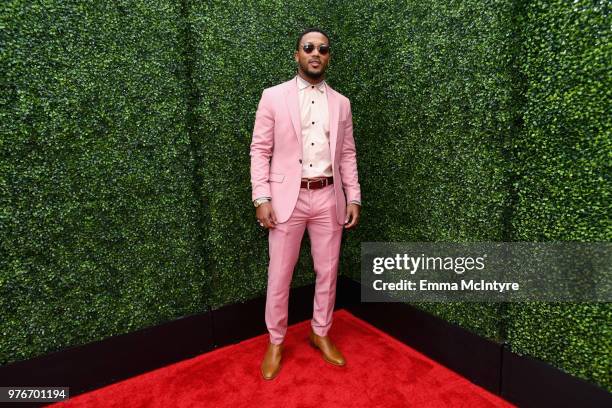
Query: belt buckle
[308,181]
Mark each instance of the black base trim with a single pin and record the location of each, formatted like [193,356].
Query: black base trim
[528,382]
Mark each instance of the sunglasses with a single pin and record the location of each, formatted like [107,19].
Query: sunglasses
[309,47]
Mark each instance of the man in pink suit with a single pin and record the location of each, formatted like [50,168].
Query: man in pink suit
[304,176]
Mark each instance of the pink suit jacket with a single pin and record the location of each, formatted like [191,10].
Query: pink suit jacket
[276,149]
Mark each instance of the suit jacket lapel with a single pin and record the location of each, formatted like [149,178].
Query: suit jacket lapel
[332,104]
[293,103]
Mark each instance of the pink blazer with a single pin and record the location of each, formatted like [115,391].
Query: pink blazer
[276,149]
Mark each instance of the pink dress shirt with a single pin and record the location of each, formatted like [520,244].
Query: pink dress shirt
[315,129]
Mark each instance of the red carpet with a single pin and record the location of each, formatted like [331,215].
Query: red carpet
[380,372]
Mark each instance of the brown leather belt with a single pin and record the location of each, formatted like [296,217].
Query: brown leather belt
[313,184]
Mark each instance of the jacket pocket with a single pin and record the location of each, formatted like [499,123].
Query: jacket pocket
[276,177]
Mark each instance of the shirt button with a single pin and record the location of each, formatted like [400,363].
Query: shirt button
[312,86]
[312,101]
[313,122]
[312,144]
[300,160]
[310,164]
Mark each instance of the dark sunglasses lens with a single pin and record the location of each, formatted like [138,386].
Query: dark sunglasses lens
[308,48]
[324,49]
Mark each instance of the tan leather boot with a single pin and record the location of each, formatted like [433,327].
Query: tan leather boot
[329,351]
[270,366]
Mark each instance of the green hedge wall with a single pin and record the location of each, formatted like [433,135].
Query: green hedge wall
[97,208]
[434,103]
[563,163]
[467,75]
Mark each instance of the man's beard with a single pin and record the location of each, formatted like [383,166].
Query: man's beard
[310,74]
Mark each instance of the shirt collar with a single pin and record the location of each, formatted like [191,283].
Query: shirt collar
[302,83]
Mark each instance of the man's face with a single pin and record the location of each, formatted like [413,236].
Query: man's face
[312,65]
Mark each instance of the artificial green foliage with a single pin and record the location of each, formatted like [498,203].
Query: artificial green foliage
[562,159]
[434,99]
[97,210]
[564,150]
[576,338]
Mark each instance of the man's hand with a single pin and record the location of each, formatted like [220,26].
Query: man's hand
[352,215]
[265,215]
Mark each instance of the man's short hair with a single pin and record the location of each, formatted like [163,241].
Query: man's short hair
[311,30]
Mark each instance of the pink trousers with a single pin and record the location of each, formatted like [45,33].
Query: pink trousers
[315,210]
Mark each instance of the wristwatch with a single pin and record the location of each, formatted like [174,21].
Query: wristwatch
[260,201]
